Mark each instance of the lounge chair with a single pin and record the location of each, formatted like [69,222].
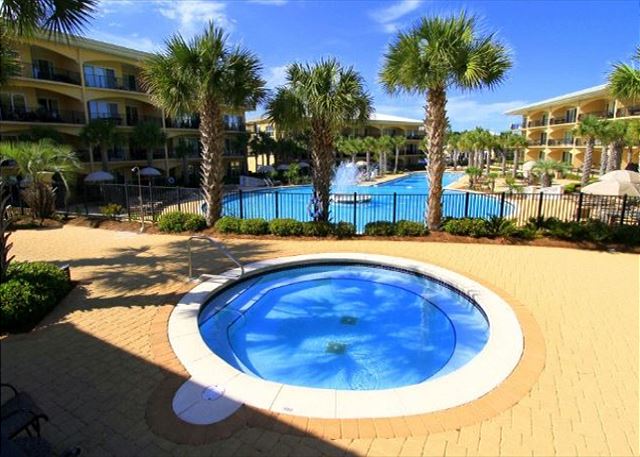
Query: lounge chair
[18,414]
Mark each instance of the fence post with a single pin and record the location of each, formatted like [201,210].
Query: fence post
[240,201]
[624,209]
[466,204]
[502,197]
[355,211]
[153,207]
[275,196]
[539,218]
[179,198]
[579,213]
[395,206]
[126,201]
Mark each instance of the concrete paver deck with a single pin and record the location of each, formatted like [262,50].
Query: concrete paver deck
[92,364]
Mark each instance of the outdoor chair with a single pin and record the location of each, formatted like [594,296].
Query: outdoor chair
[19,413]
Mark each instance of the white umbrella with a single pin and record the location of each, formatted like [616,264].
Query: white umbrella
[98,176]
[622,176]
[282,167]
[265,169]
[150,172]
[361,163]
[528,166]
[303,165]
[613,188]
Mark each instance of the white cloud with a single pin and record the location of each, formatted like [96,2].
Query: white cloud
[191,16]
[133,41]
[388,16]
[276,76]
[269,2]
[106,7]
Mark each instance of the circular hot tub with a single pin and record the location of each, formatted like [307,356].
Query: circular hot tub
[340,336]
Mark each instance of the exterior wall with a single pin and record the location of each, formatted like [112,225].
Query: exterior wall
[61,83]
[549,128]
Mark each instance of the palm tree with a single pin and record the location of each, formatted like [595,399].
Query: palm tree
[38,162]
[589,130]
[262,145]
[437,54]
[546,169]
[614,134]
[624,79]
[24,17]
[9,61]
[148,136]
[323,98]
[397,143]
[103,134]
[183,151]
[517,143]
[632,138]
[348,146]
[205,75]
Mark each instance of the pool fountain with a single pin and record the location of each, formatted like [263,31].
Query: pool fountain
[345,178]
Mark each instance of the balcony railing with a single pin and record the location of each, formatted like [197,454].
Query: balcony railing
[630,111]
[128,82]
[561,142]
[35,71]
[42,115]
[537,143]
[415,136]
[560,120]
[183,122]
[133,121]
[598,114]
[113,117]
[538,123]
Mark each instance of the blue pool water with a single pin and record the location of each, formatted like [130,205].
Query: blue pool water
[343,326]
[409,202]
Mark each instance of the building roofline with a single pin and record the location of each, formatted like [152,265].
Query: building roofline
[95,45]
[571,96]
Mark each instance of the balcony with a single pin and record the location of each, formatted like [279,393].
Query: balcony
[133,121]
[560,120]
[183,122]
[234,125]
[112,117]
[128,82]
[537,143]
[597,114]
[561,142]
[538,123]
[42,115]
[414,136]
[35,71]
[630,111]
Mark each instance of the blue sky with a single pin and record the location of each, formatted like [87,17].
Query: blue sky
[557,46]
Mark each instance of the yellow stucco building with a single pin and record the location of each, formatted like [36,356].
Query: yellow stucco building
[64,84]
[377,125]
[549,124]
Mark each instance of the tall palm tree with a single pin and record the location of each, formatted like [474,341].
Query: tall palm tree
[632,138]
[65,17]
[624,79]
[347,146]
[437,54]
[546,168]
[38,162]
[103,134]
[397,142]
[9,61]
[262,145]
[614,134]
[517,142]
[589,130]
[148,136]
[205,75]
[323,98]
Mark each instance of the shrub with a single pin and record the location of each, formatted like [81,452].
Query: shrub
[498,226]
[111,210]
[379,228]
[571,188]
[317,228]
[465,227]
[410,228]
[344,230]
[254,227]
[227,224]
[32,289]
[195,223]
[523,233]
[626,234]
[285,227]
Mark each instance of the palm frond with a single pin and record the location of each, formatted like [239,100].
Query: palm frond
[624,82]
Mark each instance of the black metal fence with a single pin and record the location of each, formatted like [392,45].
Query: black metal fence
[357,208]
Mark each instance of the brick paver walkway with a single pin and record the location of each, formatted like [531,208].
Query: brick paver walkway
[92,367]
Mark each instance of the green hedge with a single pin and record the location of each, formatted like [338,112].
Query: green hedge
[285,227]
[227,224]
[176,221]
[594,231]
[344,230]
[489,228]
[380,228]
[254,227]
[317,228]
[410,228]
[31,290]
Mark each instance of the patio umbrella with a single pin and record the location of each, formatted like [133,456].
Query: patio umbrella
[528,166]
[150,172]
[282,167]
[265,169]
[98,176]
[361,163]
[303,165]
[612,188]
[622,176]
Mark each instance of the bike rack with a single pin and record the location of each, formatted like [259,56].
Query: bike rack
[217,244]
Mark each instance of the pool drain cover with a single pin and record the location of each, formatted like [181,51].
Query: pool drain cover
[348,320]
[336,348]
[212,393]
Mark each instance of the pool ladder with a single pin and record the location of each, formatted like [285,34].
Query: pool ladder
[217,244]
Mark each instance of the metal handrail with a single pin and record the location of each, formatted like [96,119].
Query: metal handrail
[219,245]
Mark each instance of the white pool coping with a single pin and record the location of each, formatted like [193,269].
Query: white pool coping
[216,389]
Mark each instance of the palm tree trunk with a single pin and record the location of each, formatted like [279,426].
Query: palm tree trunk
[211,168]
[604,159]
[488,158]
[104,157]
[503,166]
[368,165]
[322,156]
[516,154]
[395,162]
[435,127]
[587,164]
[611,162]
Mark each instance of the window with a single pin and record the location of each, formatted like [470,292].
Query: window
[568,138]
[132,115]
[103,110]
[545,119]
[50,105]
[99,77]
[43,69]
[541,155]
[543,137]
[13,103]
[570,115]
[234,168]
[233,122]
[566,157]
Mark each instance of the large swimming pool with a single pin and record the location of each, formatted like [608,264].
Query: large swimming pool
[401,198]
